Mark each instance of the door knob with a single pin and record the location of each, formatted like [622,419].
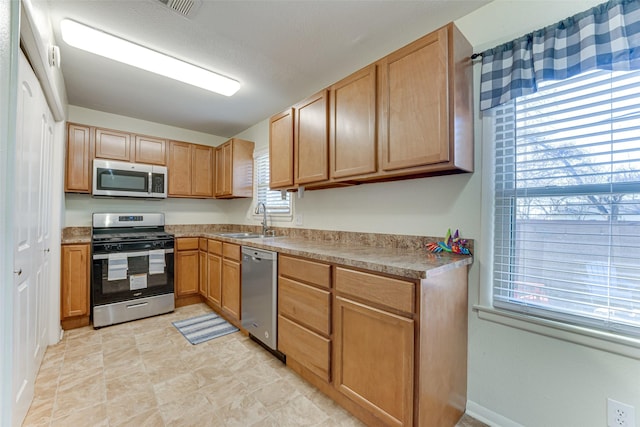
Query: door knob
[47,250]
[19,272]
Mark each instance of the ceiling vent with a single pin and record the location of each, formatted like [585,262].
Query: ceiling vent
[185,8]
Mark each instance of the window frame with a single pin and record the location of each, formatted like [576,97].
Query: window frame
[609,341]
[272,216]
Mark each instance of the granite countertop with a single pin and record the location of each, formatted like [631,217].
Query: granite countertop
[405,262]
[403,256]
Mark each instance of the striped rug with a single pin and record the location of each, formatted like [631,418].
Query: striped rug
[204,328]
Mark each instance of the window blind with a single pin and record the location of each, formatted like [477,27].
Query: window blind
[567,202]
[273,200]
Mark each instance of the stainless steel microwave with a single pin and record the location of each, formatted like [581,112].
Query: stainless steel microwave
[122,179]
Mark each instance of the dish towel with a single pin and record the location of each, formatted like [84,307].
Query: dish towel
[118,266]
[156,261]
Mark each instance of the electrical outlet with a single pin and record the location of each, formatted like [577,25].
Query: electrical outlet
[620,414]
[298,219]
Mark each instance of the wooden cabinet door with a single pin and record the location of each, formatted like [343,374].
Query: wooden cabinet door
[414,114]
[179,169]
[373,360]
[202,172]
[231,288]
[75,281]
[113,145]
[187,272]
[353,125]
[281,173]
[311,139]
[150,150]
[224,173]
[79,156]
[214,276]
[203,278]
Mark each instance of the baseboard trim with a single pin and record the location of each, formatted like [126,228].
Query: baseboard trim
[489,417]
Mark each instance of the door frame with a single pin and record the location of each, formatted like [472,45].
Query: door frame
[9,47]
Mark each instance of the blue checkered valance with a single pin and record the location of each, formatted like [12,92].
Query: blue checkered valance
[606,37]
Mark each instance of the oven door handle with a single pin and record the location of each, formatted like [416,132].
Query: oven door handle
[140,304]
[129,254]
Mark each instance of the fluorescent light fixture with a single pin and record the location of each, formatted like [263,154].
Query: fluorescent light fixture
[103,44]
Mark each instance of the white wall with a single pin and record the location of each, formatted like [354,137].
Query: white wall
[517,377]
[79,207]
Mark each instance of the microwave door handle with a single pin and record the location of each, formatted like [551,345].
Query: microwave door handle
[150,182]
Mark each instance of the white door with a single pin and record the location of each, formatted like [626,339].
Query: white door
[43,237]
[29,257]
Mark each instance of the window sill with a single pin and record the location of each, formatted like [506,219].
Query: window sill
[599,340]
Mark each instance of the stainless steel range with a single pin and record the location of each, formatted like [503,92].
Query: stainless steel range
[132,268]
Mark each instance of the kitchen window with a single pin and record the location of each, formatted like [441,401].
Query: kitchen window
[566,213]
[277,205]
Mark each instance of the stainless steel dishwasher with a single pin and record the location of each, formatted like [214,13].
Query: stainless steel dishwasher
[260,295]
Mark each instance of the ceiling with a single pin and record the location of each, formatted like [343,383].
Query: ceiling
[280,51]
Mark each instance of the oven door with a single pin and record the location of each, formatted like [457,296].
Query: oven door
[131,274]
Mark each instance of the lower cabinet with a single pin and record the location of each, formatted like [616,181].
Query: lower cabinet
[186,279]
[231,286]
[203,285]
[390,350]
[214,273]
[304,325]
[374,360]
[75,286]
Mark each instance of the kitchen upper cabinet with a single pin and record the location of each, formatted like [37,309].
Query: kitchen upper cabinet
[186,267]
[113,145]
[311,139]
[150,150]
[281,170]
[425,99]
[234,169]
[353,125]
[78,160]
[179,169]
[407,115]
[75,285]
[202,171]
[299,143]
[190,169]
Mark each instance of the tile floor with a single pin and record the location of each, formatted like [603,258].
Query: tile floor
[145,373]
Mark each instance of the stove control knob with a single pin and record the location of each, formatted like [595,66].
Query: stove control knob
[119,247]
[107,247]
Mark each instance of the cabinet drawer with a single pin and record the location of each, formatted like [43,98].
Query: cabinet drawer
[393,293]
[187,243]
[202,244]
[231,251]
[215,247]
[304,304]
[306,271]
[306,347]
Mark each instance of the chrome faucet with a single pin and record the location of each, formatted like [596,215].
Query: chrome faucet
[265,227]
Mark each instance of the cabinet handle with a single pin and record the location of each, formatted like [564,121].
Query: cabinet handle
[19,272]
